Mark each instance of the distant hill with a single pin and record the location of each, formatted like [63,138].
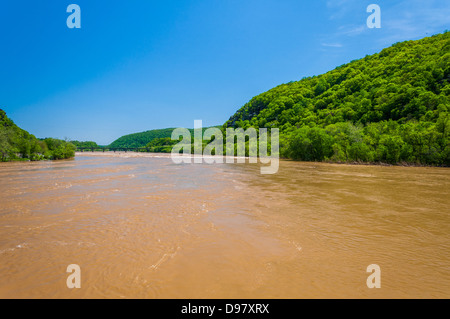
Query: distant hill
[393,106]
[144,138]
[141,139]
[18,144]
[85,144]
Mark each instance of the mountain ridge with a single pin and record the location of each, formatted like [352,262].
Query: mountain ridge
[393,105]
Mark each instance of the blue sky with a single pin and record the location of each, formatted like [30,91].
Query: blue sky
[143,64]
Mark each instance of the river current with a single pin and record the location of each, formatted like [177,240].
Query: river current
[140,226]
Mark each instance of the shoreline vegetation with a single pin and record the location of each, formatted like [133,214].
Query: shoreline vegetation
[390,108]
[128,154]
[17,144]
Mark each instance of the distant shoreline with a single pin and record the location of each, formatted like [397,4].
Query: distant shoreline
[138,154]
[168,155]
[122,153]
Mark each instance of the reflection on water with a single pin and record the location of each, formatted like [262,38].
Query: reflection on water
[143,227]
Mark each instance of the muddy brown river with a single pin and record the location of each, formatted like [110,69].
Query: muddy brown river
[140,226]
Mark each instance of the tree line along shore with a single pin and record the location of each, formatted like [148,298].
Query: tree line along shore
[392,107]
[17,144]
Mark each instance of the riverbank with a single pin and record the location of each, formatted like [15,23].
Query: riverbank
[145,154]
[168,155]
[123,154]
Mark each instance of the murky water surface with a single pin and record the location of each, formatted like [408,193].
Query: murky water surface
[143,227]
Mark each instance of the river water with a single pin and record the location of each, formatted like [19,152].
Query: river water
[140,226]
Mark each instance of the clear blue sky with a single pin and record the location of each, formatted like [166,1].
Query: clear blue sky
[143,64]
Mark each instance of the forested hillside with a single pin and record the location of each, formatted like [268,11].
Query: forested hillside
[390,107]
[85,144]
[18,144]
[141,139]
[160,138]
